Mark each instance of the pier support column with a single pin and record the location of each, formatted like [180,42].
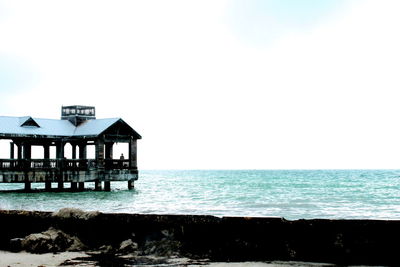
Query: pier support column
[109,150]
[97,185]
[19,151]
[82,151]
[131,184]
[60,150]
[132,153]
[60,161]
[99,146]
[12,150]
[47,186]
[81,186]
[27,186]
[60,186]
[74,186]
[73,150]
[107,186]
[46,155]
[46,151]
[27,151]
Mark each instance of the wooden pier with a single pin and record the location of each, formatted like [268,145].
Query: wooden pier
[80,128]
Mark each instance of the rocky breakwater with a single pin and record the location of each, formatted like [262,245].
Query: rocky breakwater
[218,239]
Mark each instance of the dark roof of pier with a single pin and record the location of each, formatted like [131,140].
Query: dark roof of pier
[36,127]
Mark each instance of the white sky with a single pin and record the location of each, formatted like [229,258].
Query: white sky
[216,84]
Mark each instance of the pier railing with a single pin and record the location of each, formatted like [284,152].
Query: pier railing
[61,164]
[116,164]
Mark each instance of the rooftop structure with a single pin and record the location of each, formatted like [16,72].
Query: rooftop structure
[80,128]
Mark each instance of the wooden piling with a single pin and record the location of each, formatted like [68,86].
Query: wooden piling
[74,186]
[27,186]
[131,184]
[107,186]
[97,185]
[60,186]
[81,186]
[47,186]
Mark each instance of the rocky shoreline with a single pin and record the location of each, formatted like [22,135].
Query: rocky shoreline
[129,239]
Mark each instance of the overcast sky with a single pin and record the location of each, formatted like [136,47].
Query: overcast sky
[240,84]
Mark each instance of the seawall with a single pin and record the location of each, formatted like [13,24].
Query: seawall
[369,242]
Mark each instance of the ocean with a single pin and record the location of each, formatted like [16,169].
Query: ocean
[291,194]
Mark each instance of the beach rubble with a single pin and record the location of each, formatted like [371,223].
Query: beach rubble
[127,246]
[52,240]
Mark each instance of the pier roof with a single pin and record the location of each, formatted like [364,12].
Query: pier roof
[34,127]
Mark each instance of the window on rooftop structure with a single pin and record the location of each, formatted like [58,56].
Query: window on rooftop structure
[73,111]
[29,122]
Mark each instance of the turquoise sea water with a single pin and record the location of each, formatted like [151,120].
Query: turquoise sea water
[292,194]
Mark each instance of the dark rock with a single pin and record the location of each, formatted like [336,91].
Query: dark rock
[167,233]
[15,244]
[52,240]
[164,248]
[107,250]
[128,246]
